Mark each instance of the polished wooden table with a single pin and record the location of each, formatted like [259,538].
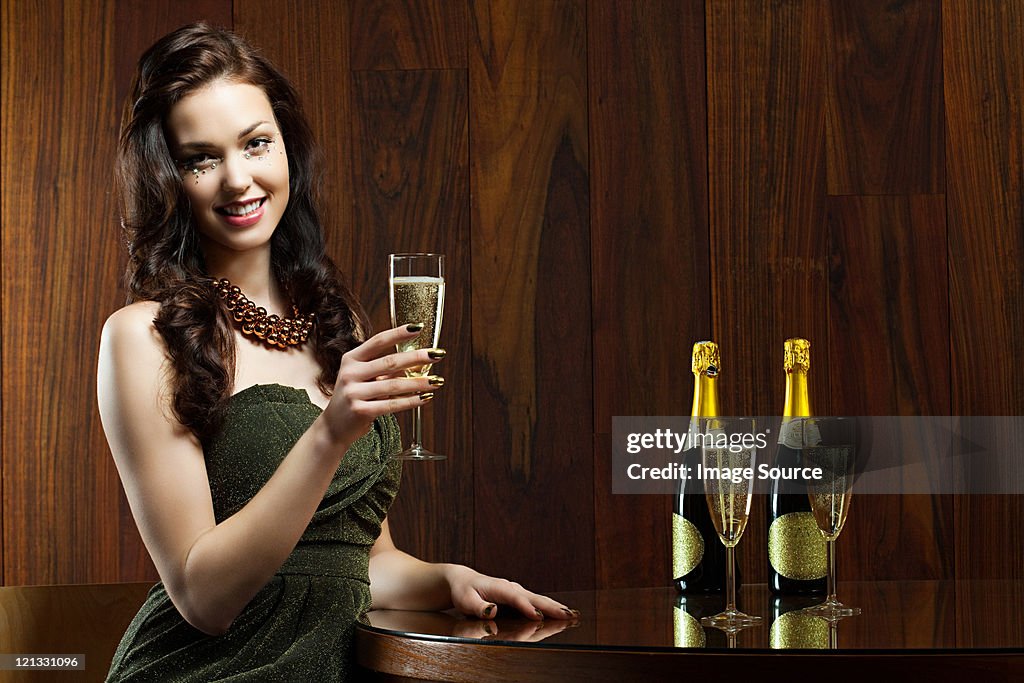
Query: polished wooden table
[917,628]
[911,629]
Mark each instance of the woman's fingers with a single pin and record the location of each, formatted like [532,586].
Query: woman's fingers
[484,600]
[391,387]
[376,358]
[384,342]
[396,363]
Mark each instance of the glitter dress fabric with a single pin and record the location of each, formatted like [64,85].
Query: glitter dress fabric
[300,626]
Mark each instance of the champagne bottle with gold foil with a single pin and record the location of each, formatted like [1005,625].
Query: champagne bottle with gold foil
[796,549]
[698,557]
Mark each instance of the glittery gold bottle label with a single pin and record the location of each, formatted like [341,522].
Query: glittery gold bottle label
[796,548]
[686,630]
[797,630]
[687,546]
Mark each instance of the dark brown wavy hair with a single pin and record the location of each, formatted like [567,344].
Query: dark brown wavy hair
[165,262]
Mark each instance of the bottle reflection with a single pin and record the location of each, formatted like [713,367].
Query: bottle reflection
[793,629]
[686,628]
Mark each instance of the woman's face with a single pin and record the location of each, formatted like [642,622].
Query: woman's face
[228,147]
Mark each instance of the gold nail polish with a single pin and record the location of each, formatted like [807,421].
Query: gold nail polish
[436,381]
[414,327]
[436,354]
[426,396]
[538,613]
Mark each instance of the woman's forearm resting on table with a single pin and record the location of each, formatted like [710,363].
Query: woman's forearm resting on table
[400,581]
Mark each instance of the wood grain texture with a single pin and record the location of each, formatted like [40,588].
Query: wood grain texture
[135,30]
[766,174]
[57,290]
[981,616]
[888,313]
[889,332]
[411,169]
[885,113]
[984,82]
[649,249]
[408,34]
[532,383]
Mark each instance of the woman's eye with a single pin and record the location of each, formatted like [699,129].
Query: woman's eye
[258,147]
[199,162]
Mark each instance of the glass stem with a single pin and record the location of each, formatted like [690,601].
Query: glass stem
[417,429]
[830,558]
[730,579]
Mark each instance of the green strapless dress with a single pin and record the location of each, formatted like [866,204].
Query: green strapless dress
[300,626]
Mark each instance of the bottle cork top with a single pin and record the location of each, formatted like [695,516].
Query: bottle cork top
[705,358]
[797,355]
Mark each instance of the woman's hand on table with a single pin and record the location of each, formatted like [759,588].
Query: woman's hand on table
[477,595]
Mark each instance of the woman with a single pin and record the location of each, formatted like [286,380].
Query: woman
[253,447]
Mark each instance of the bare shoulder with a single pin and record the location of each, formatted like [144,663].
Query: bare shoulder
[132,324]
[132,359]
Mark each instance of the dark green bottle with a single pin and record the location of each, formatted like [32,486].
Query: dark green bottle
[796,549]
[698,556]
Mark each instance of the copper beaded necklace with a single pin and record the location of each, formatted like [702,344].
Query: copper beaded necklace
[272,330]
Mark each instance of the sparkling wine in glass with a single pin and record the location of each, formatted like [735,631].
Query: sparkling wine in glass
[728,458]
[830,444]
[416,285]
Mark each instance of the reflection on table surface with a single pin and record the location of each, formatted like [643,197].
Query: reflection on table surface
[897,615]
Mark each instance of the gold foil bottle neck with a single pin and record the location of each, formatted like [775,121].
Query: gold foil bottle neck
[706,360]
[797,355]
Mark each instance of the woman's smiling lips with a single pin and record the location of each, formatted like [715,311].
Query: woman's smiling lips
[242,214]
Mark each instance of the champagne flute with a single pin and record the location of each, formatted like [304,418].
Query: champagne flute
[728,456]
[830,443]
[416,285]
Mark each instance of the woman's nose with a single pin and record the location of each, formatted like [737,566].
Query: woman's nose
[236,175]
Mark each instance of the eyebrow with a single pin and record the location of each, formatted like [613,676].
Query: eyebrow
[241,135]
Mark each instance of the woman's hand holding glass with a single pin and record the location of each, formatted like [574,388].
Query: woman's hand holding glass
[372,382]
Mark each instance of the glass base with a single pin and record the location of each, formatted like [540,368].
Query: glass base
[731,621]
[831,610]
[417,452]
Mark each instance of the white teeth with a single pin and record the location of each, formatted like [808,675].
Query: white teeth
[236,210]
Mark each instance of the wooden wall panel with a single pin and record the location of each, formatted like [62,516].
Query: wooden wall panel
[888,314]
[650,260]
[889,332]
[137,29]
[532,386]
[408,34]
[59,267]
[766,176]
[984,82]
[885,114]
[411,160]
